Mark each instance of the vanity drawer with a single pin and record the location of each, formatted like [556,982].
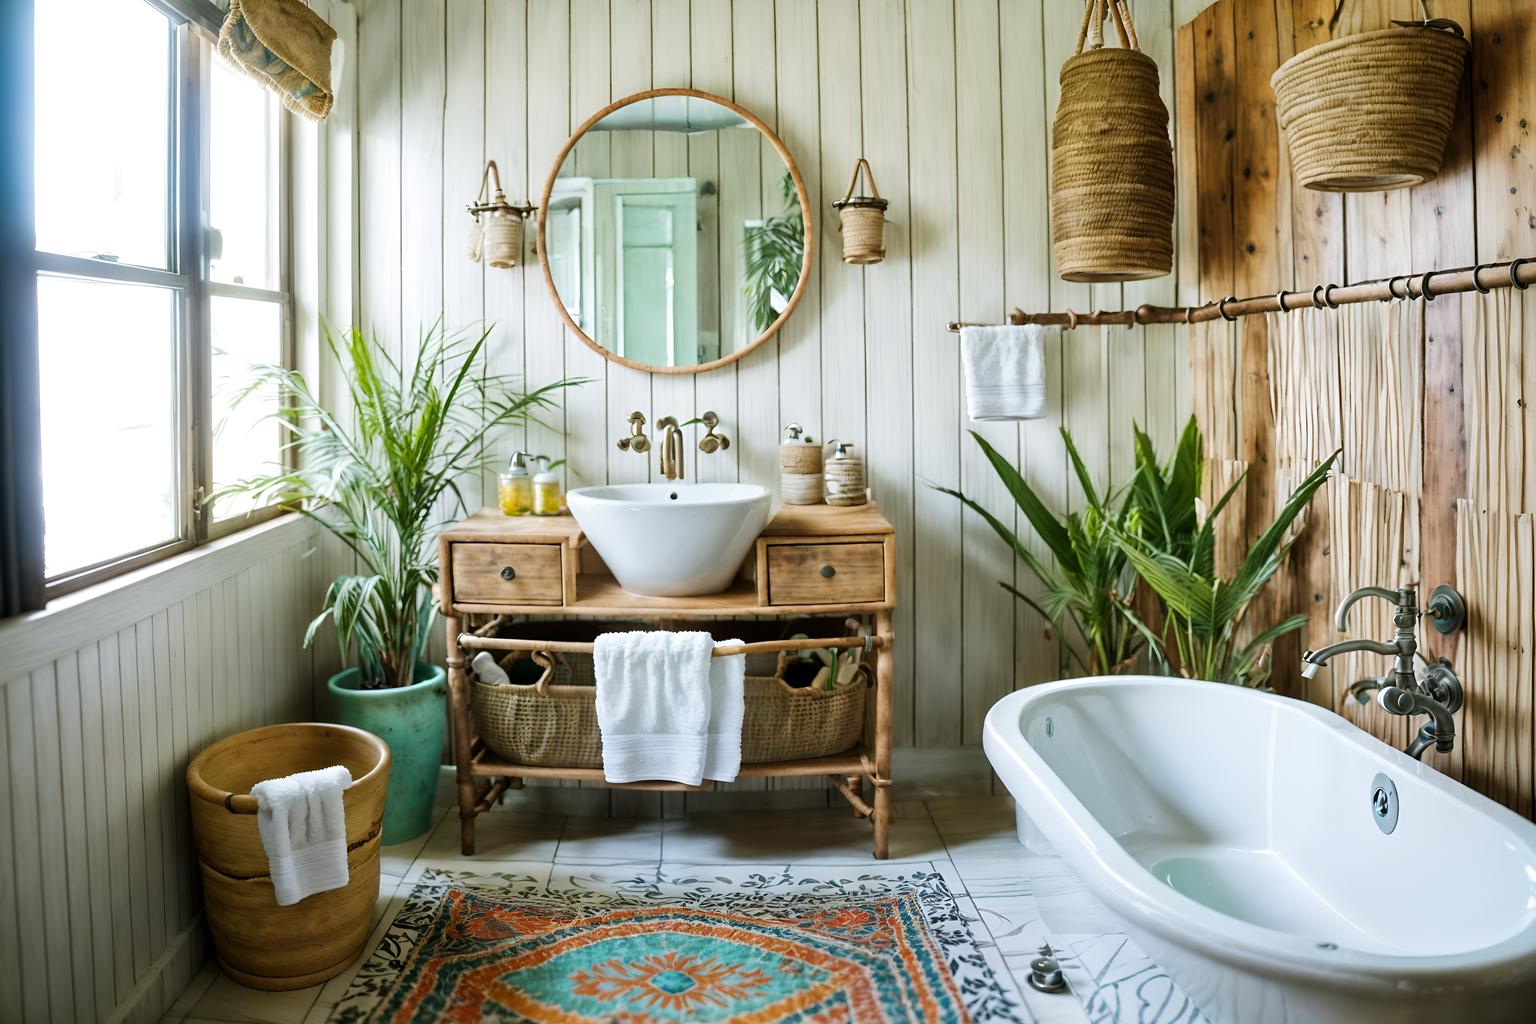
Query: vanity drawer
[826,573]
[507,574]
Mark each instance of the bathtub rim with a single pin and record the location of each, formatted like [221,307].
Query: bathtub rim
[1133,893]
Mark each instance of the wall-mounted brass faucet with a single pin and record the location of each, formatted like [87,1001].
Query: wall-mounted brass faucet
[636,440]
[672,458]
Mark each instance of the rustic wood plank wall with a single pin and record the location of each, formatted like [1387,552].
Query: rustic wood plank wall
[1256,232]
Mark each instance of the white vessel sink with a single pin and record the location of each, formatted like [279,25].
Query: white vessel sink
[672,539]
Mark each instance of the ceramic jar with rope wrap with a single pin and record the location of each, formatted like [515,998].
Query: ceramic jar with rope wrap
[861,219]
[1112,177]
[1372,112]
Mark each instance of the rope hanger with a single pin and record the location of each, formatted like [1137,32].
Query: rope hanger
[1482,278]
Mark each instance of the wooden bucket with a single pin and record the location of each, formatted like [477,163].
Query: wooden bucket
[1112,178]
[259,943]
[1372,112]
[861,219]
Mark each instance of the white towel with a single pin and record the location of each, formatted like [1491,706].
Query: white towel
[303,829]
[727,684]
[653,705]
[1004,371]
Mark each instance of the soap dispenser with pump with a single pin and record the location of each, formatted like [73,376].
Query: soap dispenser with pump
[514,490]
[845,480]
[546,489]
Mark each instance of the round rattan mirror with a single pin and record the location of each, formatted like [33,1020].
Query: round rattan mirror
[675,231]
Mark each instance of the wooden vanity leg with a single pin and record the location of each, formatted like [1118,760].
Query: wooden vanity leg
[885,678]
[458,721]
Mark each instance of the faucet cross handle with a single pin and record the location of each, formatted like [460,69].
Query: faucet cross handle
[636,440]
[713,440]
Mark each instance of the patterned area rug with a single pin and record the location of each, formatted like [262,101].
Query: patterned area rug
[888,948]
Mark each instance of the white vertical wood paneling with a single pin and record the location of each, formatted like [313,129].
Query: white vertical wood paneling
[987,610]
[886,333]
[379,169]
[757,377]
[953,103]
[936,568]
[1027,248]
[98,887]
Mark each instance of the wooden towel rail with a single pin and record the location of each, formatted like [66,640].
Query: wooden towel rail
[490,643]
[1485,277]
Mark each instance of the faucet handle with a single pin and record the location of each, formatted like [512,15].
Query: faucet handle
[636,441]
[712,441]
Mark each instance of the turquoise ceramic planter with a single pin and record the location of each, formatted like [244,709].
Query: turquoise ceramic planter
[411,719]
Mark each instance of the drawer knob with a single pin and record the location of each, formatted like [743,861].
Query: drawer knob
[827,572]
[508,573]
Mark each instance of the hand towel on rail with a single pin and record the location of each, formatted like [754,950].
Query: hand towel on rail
[653,705]
[1004,371]
[727,708]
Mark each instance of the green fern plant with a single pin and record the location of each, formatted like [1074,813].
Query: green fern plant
[379,483]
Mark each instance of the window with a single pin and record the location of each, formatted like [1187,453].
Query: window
[161,220]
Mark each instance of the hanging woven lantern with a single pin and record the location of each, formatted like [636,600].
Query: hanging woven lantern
[497,234]
[1112,178]
[1372,112]
[861,219]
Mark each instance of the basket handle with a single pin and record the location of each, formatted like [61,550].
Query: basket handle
[547,661]
[862,165]
[1091,31]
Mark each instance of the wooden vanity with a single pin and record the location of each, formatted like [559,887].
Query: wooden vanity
[811,560]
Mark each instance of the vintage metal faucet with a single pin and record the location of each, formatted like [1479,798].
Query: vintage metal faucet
[1402,692]
[672,449]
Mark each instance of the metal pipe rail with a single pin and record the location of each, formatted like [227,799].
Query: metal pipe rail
[1484,278]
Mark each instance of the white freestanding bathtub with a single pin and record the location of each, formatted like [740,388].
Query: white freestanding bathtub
[1235,835]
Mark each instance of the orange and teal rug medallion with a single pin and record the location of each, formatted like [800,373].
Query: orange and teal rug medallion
[473,948]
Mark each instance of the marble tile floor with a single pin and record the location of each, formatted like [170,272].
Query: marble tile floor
[970,841]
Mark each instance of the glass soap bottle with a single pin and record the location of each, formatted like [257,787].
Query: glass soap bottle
[514,489]
[546,489]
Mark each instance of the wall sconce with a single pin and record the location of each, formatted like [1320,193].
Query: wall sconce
[497,233]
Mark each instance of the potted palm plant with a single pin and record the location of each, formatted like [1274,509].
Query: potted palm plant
[384,480]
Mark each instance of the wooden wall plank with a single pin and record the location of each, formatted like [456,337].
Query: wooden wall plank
[987,610]
[463,140]
[506,142]
[936,407]
[24,801]
[379,169]
[51,931]
[799,83]
[11,1005]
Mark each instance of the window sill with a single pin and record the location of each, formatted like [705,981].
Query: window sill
[85,615]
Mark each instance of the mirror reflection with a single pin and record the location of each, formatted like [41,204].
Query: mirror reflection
[674,234]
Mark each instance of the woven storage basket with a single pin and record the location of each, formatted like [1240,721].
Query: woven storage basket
[550,724]
[1372,112]
[861,219]
[1112,178]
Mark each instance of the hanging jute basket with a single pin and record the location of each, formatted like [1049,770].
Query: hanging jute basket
[1372,112]
[497,234]
[1111,159]
[862,219]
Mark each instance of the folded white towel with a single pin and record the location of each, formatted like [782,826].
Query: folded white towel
[653,705]
[303,829]
[727,707]
[1004,371]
